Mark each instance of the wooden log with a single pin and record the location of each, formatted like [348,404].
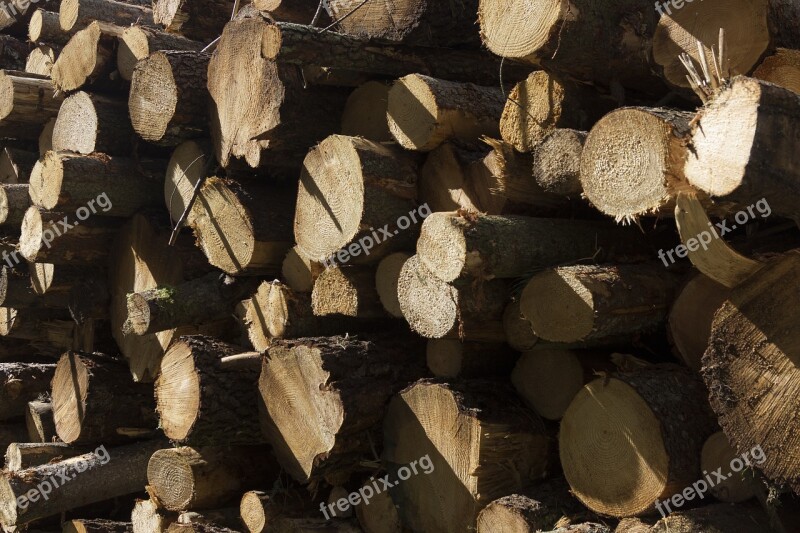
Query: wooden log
[349,291]
[39,422]
[49,333]
[15,16]
[655,418]
[27,104]
[717,517]
[16,165]
[16,290]
[781,68]
[206,394]
[202,21]
[257,234]
[13,53]
[519,513]
[209,477]
[444,180]
[718,453]
[146,517]
[518,331]
[748,110]
[582,303]
[379,514]
[347,385]
[102,474]
[137,43]
[510,246]
[169,100]
[423,111]
[88,58]
[14,201]
[41,60]
[386,277]
[97,525]
[22,382]
[508,431]
[299,272]
[85,411]
[557,162]
[23,455]
[451,358]
[81,14]
[350,187]
[544,102]
[749,371]
[434,308]
[44,27]
[364,113]
[89,123]
[46,137]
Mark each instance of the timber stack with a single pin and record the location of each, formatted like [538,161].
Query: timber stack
[503,266]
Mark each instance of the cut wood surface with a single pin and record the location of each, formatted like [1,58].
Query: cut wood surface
[137,43]
[781,68]
[49,335]
[27,103]
[349,291]
[299,272]
[718,453]
[186,166]
[88,57]
[364,113]
[387,276]
[39,422]
[89,123]
[452,358]
[299,11]
[41,60]
[147,517]
[557,162]
[44,27]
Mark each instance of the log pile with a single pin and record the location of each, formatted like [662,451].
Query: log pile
[346,266]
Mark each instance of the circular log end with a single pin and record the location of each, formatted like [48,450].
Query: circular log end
[8,317]
[299,271]
[413,114]
[548,380]
[46,179]
[77,125]
[252,511]
[178,392]
[429,305]
[164,13]
[68,14]
[532,110]
[365,112]
[154,95]
[138,314]
[782,68]
[70,388]
[571,318]
[612,451]
[386,278]
[717,452]
[557,165]
[133,46]
[41,61]
[4,207]
[41,276]
[6,95]
[35,26]
[78,59]
[519,28]
[30,240]
[171,477]
[384,20]
[442,246]
[185,168]
[335,293]
[513,514]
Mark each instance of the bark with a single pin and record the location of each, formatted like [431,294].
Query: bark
[346,385]
[364,114]
[464,469]
[487,247]
[673,421]
[27,103]
[24,455]
[206,394]
[101,474]
[39,421]
[89,123]
[98,525]
[82,13]
[85,388]
[202,21]
[209,477]
[168,99]
[41,60]
[350,187]
[44,27]
[16,165]
[17,291]
[451,358]
[87,60]
[14,201]
[137,43]
[13,53]
[348,291]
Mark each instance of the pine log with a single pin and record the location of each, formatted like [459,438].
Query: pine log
[88,58]
[23,455]
[14,201]
[517,513]
[544,102]
[243,229]
[49,334]
[16,165]
[349,291]
[454,247]
[752,111]
[261,512]
[16,290]
[206,394]
[557,162]
[582,40]
[85,410]
[656,419]
[27,102]
[420,22]
[717,518]
[451,358]
[518,331]
[434,308]
[346,386]
[718,453]
[423,112]
[21,383]
[169,100]
[15,15]
[364,113]
[100,475]
[349,188]
[207,478]
[97,525]
[781,68]
[39,422]
[691,316]
[146,517]
[201,21]
[749,369]
[299,272]
[186,166]
[41,60]
[44,27]
[582,303]
[464,472]
[46,137]
[13,53]
[89,123]
[445,182]
[386,277]
[137,43]
[80,14]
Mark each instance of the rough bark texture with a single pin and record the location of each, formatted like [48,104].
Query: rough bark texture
[717,518]
[98,525]
[13,53]
[14,201]
[26,104]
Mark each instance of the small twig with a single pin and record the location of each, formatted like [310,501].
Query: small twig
[722,59]
[359,6]
[318,13]
[211,44]
[701,52]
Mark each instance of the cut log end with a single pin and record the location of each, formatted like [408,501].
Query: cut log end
[156,95]
[386,279]
[253,511]
[569,321]
[365,112]
[172,475]
[77,126]
[429,305]
[79,58]
[178,398]
[533,109]
[71,381]
[46,178]
[512,29]
[548,380]
[442,246]
[30,242]
[184,170]
[782,68]
[41,60]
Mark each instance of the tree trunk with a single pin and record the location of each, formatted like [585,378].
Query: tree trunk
[168,99]
[85,388]
[364,114]
[39,421]
[100,476]
[434,308]
[16,165]
[28,102]
[206,394]
[44,27]
[261,512]
[256,235]
[444,179]
[349,291]
[13,53]
[137,43]
[749,369]
[487,247]
[349,188]
[24,455]
[89,123]
[345,385]
[207,478]
[201,21]
[750,110]
[386,277]
[781,68]
[557,162]
[299,272]
[82,13]
[584,303]
[423,112]
[14,201]
[655,418]
[98,525]
[544,102]
[41,60]
[148,518]
[498,447]
[88,58]
[451,358]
